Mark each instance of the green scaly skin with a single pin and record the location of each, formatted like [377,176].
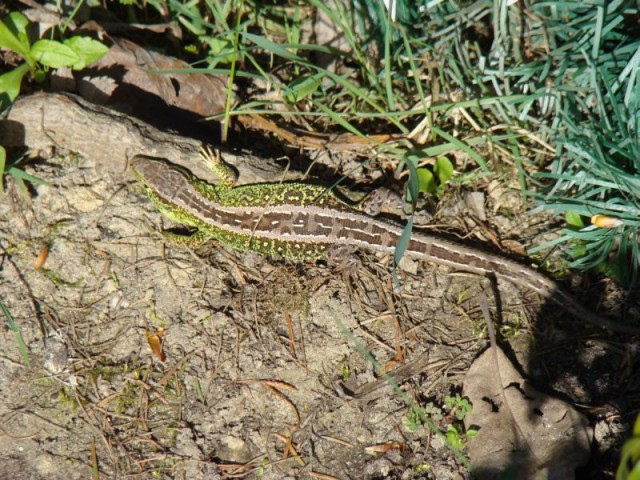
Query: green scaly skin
[288,221]
[254,195]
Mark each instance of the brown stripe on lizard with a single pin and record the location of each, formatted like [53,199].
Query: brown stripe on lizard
[303,222]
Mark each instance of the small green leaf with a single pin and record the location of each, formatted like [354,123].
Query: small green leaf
[273,47]
[464,146]
[10,85]
[303,87]
[403,242]
[578,250]
[199,393]
[574,219]
[18,23]
[636,427]
[635,473]
[3,163]
[88,49]
[39,75]
[449,401]
[54,54]
[220,50]
[13,34]
[453,437]
[629,467]
[21,175]
[413,187]
[22,346]
[443,169]
[426,181]
[190,49]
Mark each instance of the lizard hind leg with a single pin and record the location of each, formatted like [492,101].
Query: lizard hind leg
[343,258]
[194,240]
[374,202]
[191,240]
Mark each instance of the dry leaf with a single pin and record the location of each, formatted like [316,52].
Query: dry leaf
[156,343]
[475,202]
[127,77]
[385,447]
[519,426]
[42,257]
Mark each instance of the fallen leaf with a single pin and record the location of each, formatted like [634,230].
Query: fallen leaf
[147,84]
[42,257]
[520,428]
[385,447]
[156,343]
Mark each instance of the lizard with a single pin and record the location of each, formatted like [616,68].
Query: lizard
[305,222]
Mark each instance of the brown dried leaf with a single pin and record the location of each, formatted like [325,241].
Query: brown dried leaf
[156,343]
[42,257]
[345,142]
[126,76]
[520,426]
[385,447]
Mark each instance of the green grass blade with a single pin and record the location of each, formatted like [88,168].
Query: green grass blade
[464,147]
[24,351]
[3,163]
[403,242]
[21,175]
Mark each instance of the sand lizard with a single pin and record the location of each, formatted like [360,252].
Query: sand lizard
[303,221]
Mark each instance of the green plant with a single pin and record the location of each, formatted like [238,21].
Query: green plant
[76,52]
[425,180]
[452,414]
[629,467]
[415,417]
[595,176]
[458,406]
[580,63]
[19,175]
[24,351]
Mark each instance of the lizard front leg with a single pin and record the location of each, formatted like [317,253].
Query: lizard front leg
[220,169]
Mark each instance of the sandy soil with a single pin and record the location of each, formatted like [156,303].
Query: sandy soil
[264,359]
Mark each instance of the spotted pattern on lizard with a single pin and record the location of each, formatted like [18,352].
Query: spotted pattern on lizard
[301,221]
